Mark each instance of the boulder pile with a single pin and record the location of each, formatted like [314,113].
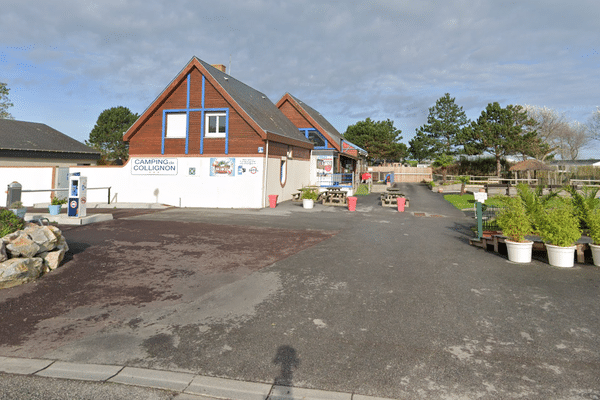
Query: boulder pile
[27,254]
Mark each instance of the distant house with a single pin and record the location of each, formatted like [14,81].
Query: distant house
[334,159]
[567,165]
[34,144]
[209,140]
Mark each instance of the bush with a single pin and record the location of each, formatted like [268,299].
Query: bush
[558,224]
[56,201]
[9,222]
[513,219]
[310,194]
[362,190]
[593,222]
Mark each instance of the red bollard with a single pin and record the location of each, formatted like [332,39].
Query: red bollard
[352,203]
[273,200]
[401,202]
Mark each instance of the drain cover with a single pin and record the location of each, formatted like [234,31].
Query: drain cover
[419,214]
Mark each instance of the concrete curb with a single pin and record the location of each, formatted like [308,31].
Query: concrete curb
[189,386]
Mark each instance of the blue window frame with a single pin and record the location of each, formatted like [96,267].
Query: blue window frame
[182,116]
[315,137]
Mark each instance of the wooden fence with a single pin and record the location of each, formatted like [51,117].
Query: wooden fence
[401,174]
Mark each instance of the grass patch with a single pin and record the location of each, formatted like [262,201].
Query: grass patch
[467,201]
[362,190]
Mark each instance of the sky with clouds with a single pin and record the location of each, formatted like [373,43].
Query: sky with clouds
[66,61]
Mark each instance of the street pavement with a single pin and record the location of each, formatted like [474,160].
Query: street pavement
[321,303]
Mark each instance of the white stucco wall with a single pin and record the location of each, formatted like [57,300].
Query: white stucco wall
[30,178]
[192,185]
[189,183]
[298,176]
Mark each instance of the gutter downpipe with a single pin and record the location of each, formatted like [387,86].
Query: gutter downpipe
[265,175]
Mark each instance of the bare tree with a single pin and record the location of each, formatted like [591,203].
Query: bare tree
[573,139]
[561,136]
[594,124]
[550,128]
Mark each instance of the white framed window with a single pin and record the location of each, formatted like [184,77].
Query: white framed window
[283,171]
[176,125]
[214,125]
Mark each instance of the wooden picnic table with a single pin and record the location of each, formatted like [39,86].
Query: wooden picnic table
[298,196]
[334,197]
[390,199]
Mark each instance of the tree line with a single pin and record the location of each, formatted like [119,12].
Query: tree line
[525,131]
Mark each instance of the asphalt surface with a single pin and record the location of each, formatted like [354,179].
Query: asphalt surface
[372,302]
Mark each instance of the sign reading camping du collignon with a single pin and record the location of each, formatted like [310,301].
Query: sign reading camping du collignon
[154,166]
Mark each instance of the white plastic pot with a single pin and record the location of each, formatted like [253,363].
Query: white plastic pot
[563,257]
[519,252]
[308,203]
[595,254]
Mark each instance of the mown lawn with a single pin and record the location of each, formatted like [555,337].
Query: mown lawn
[467,201]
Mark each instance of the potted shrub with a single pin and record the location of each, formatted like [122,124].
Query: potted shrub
[593,223]
[54,207]
[558,226]
[515,224]
[18,209]
[309,196]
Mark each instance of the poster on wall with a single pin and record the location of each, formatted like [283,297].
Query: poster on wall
[324,165]
[154,166]
[247,167]
[222,167]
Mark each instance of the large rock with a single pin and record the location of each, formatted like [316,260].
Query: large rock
[61,241]
[52,259]
[43,236]
[17,271]
[3,255]
[19,244]
[26,254]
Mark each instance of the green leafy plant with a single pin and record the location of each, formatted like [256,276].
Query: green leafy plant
[513,219]
[362,190]
[16,204]
[584,202]
[9,222]
[464,181]
[310,194]
[558,223]
[593,223]
[56,201]
[534,200]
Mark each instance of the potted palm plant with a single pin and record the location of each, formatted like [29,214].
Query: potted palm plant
[54,207]
[515,224]
[558,226]
[309,196]
[593,223]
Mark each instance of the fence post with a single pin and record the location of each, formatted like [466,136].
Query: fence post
[479,220]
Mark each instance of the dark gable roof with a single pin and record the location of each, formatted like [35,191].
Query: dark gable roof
[36,137]
[319,119]
[256,105]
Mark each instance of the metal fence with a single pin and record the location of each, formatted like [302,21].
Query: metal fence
[486,218]
[336,180]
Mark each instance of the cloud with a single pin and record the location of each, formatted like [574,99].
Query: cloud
[348,59]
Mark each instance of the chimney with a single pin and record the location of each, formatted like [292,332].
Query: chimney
[220,67]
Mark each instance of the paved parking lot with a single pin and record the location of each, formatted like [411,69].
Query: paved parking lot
[374,302]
